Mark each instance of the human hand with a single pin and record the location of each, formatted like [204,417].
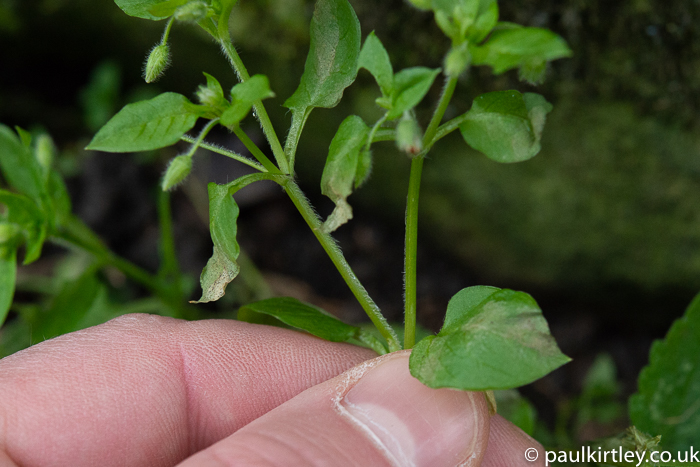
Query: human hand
[150,391]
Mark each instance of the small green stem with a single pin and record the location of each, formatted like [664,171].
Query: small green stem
[202,134]
[384,134]
[410,268]
[331,248]
[450,126]
[166,33]
[260,111]
[447,92]
[255,150]
[373,131]
[225,152]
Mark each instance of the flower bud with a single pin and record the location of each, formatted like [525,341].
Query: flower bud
[409,135]
[158,61]
[457,60]
[192,12]
[178,169]
[45,151]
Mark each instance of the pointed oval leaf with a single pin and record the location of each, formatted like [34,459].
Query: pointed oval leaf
[331,65]
[666,402]
[19,166]
[8,276]
[25,213]
[505,125]
[511,48]
[243,95]
[146,125]
[306,317]
[492,340]
[342,166]
[222,267]
[410,87]
[375,59]
[142,8]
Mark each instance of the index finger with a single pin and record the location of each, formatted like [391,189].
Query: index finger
[148,390]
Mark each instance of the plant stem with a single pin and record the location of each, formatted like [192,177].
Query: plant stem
[334,253]
[447,92]
[410,267]
[260,112]
[225,152]
[77,234]
[255,150]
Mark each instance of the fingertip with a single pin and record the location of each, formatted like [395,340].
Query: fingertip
[509,446]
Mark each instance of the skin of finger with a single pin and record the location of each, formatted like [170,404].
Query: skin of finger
[313,430]
[508,444]
[148,390]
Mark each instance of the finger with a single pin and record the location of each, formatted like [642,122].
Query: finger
[376,414]
[509,446]
[147,390]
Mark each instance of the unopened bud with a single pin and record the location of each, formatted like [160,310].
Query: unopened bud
[158,61]
[192,12]
[178,169]
[45,151]
[409,136]
[457,60]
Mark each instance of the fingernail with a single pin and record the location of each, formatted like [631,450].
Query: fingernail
[415,425]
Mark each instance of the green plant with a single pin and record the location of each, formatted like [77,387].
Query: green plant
[492,338]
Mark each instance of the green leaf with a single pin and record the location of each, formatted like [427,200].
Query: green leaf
[375,59]
[512,48]
[212,95]
[146,125]
[24,136]
[243,95]
[331,65]
[505,125]
[165,9]
[141,8]
[410,86]
[19,166]
[342,166]
[222,267]
[8,276]
[486,20]
[492,339]
[517,410]
[25,213]
[306,317]
[666,402]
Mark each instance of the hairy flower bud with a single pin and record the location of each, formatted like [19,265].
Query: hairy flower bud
[192,12]
[457,60]
[158,61]
[45,151]
[409,135]
[178,169]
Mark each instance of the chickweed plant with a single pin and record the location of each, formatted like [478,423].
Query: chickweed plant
[491,338]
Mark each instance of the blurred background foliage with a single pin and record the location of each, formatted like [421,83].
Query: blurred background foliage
[602,227]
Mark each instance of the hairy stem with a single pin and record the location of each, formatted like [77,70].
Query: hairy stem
[410,267]
[225,152]
[331,248]
[255,150]
[260,112]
